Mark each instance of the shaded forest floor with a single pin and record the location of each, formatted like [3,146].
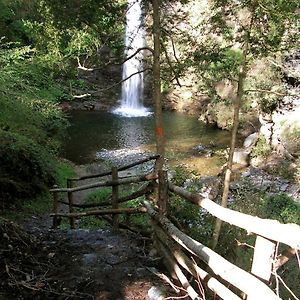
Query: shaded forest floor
[38,263]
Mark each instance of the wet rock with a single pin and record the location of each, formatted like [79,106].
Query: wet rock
[284,187]
[199,148]
[156,293]
[203,150]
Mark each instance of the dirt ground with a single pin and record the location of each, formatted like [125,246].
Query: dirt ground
[39,263]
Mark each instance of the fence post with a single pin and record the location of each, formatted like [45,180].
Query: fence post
[162,191]
[114,199]
[71,202]
[55,208]
[263,258]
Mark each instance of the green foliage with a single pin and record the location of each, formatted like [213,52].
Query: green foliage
[262,149]
[280,207]
[180,174]
[99,196]
[26,167]
[31,123]
[264,82]
[219,63]
[64,170]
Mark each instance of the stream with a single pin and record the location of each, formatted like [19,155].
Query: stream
[101,136]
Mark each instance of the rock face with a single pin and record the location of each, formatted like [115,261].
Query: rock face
[282,127]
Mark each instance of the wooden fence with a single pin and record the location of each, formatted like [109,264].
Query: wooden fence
[224,279]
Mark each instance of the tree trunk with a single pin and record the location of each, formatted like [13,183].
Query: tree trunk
[159,131]
[236,106]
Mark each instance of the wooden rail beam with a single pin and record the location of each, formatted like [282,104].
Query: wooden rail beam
[141,178]
[139,162]
[212,283]
[288,234]
[241,279]
[142,191]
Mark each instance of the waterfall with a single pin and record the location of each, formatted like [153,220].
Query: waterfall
[133,88]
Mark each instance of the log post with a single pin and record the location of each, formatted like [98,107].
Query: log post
[114,199]
[163,191]
[71,202]
[55,208]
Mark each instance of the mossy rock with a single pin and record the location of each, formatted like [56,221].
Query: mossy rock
[290,137]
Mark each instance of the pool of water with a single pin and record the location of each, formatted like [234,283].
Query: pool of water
[97,135]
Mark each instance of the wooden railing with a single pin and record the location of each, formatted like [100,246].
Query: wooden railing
[180,250]
[114,182]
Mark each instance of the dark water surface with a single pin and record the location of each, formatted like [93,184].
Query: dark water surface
[92,136]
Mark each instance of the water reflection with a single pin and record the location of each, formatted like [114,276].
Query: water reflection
[95,135]
[131,132]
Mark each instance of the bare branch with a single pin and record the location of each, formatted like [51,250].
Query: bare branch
[271,92]
[110,87]
[82,67]
[170,64]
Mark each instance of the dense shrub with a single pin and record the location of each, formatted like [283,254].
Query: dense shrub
[26,167]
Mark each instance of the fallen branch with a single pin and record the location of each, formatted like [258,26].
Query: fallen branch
[271,92]
[179,274]
[144,234]
[166,279]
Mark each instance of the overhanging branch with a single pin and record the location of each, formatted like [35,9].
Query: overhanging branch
[82,67]
[271,92]
[111,86]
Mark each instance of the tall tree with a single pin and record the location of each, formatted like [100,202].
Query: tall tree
[159,130]
[258,28]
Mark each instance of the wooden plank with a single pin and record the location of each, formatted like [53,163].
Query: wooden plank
[263,258]
[179,274]
[288,234]
[142,191]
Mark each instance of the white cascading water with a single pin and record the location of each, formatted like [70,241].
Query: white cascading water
[132,88]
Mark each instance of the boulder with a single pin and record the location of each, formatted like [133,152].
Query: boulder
[251,140]
[241,157]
